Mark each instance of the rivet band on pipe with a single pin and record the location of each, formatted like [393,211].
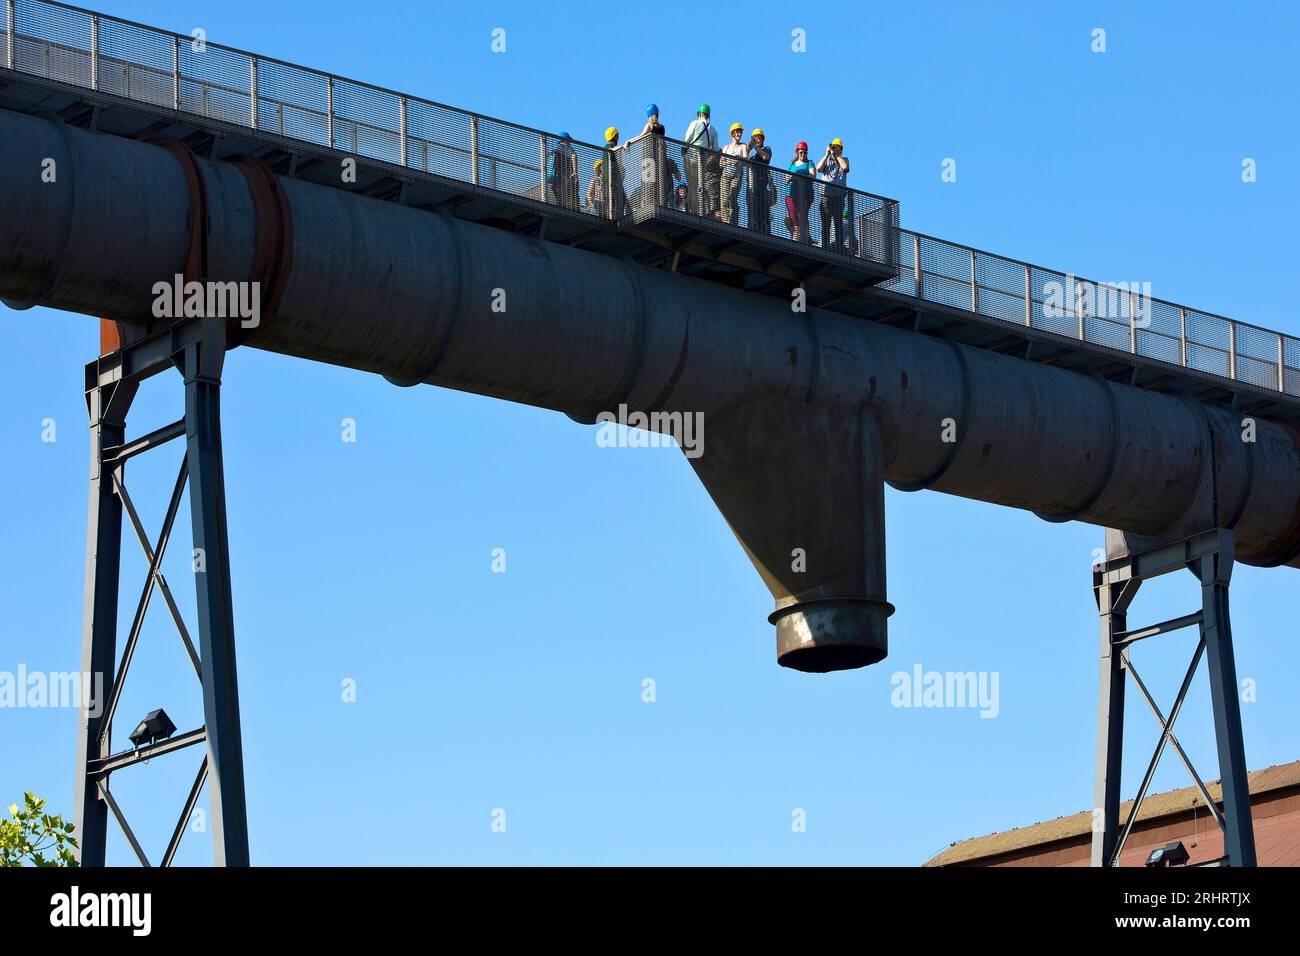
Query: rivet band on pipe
[273,243]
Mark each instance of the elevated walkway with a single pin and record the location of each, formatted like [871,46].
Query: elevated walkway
[127,79]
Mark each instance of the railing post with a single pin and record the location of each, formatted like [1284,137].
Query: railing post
[1029,299]
[541,175]
[94,55]
[607,171]
[1078,307]
[974,284]
[917,272]
[401,136]
[1182,335]
[1132,323]
[176,73]
[473,150]
[1232,349]
[329,109]
[252,91]
[11,21]
[1281,364]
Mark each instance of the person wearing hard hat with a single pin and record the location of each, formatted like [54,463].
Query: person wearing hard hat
[733,174]
[596,189]
[679,197]
[614,174]
[700,154]
[761,194]
[666,172]
[833,171]
[562,173]
[800,181]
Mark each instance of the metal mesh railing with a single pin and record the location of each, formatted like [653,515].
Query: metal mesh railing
[80,48]
[665,178]
[1109,316]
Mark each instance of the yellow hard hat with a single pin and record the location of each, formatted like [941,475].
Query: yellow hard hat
[737,126]
[759,132]
[595,167]
[611,134]
[837,142]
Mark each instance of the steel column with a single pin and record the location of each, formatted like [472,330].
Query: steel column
[1239,834]
[108,406]
[1113,601]
[202,366]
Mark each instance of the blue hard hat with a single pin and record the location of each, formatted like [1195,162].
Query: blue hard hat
[564,135]
[651,110]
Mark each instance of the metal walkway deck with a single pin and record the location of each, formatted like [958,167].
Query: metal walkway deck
[128,79]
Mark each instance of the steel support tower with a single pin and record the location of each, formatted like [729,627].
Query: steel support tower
[1209,556]
[196,347]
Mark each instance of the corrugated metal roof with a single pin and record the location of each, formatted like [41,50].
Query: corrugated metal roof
[1153,807]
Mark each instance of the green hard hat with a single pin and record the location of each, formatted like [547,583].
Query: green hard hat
[704,108]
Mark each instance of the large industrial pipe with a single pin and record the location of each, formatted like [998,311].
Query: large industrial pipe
[804,413]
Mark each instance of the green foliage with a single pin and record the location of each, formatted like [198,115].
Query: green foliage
[36,836]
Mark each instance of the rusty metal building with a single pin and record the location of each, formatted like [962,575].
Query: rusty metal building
[1164,817]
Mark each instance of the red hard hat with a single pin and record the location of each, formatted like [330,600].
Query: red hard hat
[801,145]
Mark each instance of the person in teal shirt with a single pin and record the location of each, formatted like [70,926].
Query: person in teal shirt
[799,194]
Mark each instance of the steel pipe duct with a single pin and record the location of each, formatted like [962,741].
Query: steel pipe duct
[803,413]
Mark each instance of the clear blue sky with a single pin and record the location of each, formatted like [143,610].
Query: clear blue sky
[522,690]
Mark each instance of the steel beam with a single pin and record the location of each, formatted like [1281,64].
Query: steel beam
[129,758]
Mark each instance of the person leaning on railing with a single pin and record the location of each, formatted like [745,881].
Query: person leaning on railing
[666,171]
[799,194]
[700,155]
[733,174]
[614,171]
[596,189]
[762,195]
[562,173]
[833,171]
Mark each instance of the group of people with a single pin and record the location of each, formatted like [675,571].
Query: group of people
[710,180]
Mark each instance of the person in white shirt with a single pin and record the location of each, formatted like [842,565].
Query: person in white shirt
[733,174]
[701,158]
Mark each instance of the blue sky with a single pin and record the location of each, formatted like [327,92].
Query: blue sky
[523,691]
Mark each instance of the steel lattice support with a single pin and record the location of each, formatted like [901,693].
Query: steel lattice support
[1209,556]
[197,348]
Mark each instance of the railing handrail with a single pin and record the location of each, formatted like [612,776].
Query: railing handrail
[189,38]
[1082,279]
